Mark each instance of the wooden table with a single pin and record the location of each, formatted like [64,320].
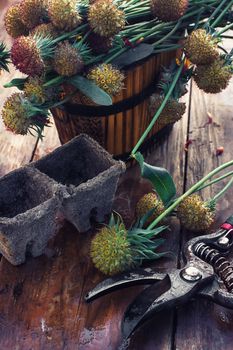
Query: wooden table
[41,302]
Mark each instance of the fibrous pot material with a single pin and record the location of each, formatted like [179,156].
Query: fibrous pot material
[29,208]
[90,176]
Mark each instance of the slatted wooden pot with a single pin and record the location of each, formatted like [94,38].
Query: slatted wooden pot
[118,127]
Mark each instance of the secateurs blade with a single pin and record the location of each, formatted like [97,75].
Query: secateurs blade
[207,274]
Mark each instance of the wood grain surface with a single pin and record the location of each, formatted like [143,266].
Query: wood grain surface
[41,302]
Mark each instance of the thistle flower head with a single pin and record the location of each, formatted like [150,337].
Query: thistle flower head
[13,23]
[64,14]
[34,90]
[67,60]
[170,10]
[195,214]
[33,12]
[172,112]
[149,202]
[44,30]
[26,56]
[107,78]
[114,249]
[213,78]
[105,18]
[200,47]
[19,115]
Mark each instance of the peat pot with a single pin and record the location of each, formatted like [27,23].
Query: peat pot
[77,181]
[29,205]
[89,176]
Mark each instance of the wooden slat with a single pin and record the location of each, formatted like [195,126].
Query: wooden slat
[42,305]
[202,325]
[106,314]
[15,149]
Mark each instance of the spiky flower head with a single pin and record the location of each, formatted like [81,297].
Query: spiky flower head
[29,54]
[64,14]
[13,23]
[98,45]
[195,214]
[67,60]
[4,58]
[34,90]
[213,78]
[45,30]
[105,18]
[33,12]
[149,202]
[114,249]
[26,56]
[20,116]
[200,47]
[170,10]
[172,112]
[107,78]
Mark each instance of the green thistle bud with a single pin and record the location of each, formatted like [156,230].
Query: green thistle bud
[105,18]
[45,30]
[20,116]
[200,47]
[114,249]
[107,78]
[34,90]
[195,214]
[33,12]
[149,202]
[213,78]
[67,60]
[13,23]
[172,112]
[170,10]
[64,14]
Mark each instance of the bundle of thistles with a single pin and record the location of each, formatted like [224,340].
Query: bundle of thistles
[68,48]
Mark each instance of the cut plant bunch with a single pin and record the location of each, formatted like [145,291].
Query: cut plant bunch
[96,66]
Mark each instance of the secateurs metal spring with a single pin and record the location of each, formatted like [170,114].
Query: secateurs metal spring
[207,273]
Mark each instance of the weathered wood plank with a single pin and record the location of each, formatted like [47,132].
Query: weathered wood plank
[202,325]
[15,149]
[46,294]
[108,311]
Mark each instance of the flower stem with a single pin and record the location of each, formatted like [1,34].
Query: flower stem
[215,181]
[188,193]
[157,114]
[218,19]
[221,193]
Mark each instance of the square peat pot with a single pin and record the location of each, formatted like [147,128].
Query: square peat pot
[90,176]
[29,207]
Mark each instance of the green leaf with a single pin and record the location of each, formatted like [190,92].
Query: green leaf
[91,90]
[54,81]
[19,83]
[159,177]
[133,55]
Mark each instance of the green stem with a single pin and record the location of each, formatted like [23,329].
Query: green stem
[157,114]
[215,12]
[225,29]
[218,19]
[221,193]
[189,192]
[215,180]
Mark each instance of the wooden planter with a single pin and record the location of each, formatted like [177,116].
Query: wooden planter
[117,128]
